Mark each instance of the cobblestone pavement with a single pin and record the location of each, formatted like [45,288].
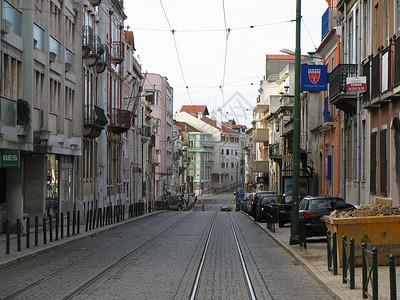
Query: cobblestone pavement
[154,262]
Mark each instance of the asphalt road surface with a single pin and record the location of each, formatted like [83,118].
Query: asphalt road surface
[171,255]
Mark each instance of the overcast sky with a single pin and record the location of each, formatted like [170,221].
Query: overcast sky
[201,41]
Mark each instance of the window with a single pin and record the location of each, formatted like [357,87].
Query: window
[38,89]
[376,27]
[227,151]
[387,22]
[55,20]
[38,12]
[69,102]
[383,162]
[373,160]
[236,152]
[12,78]
[351,38]
[354,165]
[222,151]
[363,149]
[232,165]
[365,29]
[55,90]
[69,33]
[191,144]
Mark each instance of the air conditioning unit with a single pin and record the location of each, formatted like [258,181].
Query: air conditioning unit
[68,67]
[52,57]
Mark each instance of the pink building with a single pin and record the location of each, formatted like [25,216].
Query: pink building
[162,112]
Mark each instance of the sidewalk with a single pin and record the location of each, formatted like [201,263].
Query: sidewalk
[316,263]
[26,253]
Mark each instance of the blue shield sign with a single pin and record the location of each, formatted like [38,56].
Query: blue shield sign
[313,78]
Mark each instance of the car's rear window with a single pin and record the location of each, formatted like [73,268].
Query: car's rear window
[268,199]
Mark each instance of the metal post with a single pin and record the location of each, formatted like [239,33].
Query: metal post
[36,230]
[57,224]
[294,235]
[73,222]
[7,236]
[62,225]
[334,254]
[364,271]
[51,227]
[44,232]
[18,235]
[78,222]
[352,265]
[28,231]
[393,288]
[375,273]
[68,221]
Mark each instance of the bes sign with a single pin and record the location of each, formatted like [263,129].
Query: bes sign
[10,159]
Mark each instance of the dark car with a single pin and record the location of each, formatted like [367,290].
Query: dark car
[226,208]
[313,209]
[285,208]
[256,199]
[172,202]
[262,207]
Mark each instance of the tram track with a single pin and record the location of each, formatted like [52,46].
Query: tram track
[196,283]
[92,255]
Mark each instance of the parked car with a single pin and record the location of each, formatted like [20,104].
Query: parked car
[261,209]
[172,202]
[313,209]
[248,197]
[256,199]
[226,208]
[285,208]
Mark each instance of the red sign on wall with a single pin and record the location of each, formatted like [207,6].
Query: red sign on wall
[250,184]
[356,84]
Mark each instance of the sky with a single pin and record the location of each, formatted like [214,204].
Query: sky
[213,51]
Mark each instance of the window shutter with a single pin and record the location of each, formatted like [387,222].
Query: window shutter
[383,162]
[373,163]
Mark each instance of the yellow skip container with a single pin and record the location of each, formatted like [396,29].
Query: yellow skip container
[382,232]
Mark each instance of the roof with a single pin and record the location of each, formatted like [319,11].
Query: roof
[194,109]
[214,124]
[129,38]
[185,127]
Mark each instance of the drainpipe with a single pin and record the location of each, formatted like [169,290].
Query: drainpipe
[358,55]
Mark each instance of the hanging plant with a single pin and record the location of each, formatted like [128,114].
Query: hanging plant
[23,113]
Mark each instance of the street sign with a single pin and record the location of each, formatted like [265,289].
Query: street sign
[356,84]
[288,157]
[10,159]
[250,184]
[314,77]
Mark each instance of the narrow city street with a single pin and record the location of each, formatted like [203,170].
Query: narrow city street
[171,255]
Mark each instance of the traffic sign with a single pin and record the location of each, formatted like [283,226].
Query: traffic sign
[250,184]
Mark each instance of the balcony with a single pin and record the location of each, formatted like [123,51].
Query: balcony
[261,108]
[338,95]
[145,132]
[275,151]
[330,19]
[104,60]
[94,122]
[261,135]
[118,52]
[95,2]
[87,40]
[329,120]
[120,120]
[260,166]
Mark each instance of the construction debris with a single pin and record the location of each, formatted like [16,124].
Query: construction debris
[368,211]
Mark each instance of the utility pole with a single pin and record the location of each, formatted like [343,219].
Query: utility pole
[294,235]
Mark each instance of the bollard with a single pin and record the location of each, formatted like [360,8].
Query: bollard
[28,231]
[57,224]
[7,236]
[68,222]
[62,225]
[90,218]
[87,221]
[51,227]
[99,217]
[73,222]
[104,215]
[18,235]
[44,232]
[36,230]
[392,267]
[78,222]
[94,218]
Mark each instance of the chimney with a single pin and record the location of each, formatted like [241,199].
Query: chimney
[219,118]
[199,115]
[213,115]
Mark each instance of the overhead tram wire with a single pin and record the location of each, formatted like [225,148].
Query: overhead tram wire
[308,32]
[177,52]
[227,31]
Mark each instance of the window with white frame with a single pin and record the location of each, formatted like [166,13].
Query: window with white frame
[38,89]
[12,77]
[54,99]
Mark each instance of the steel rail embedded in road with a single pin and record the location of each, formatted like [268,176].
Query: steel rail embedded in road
[196,282]
[65,268]
[246,273]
